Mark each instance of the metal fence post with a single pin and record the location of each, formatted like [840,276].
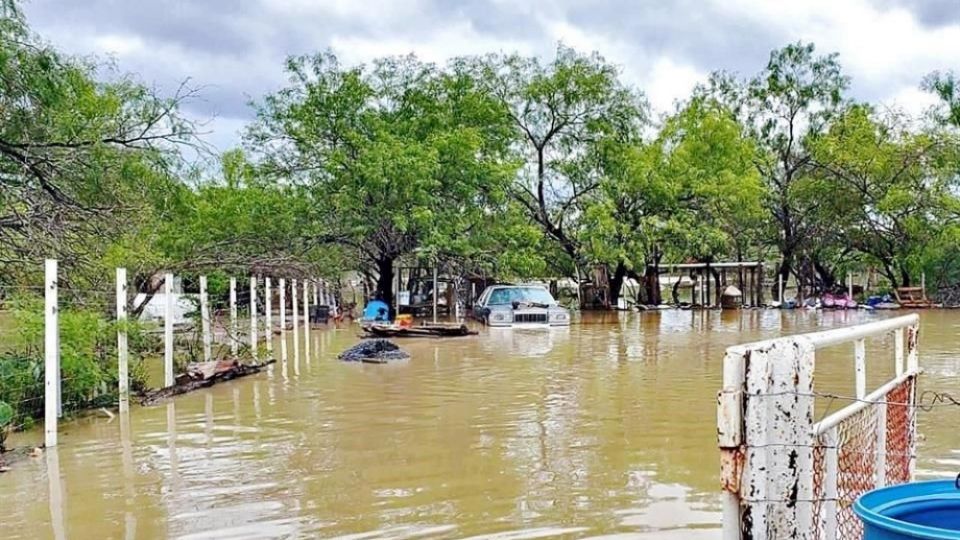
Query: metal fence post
[306,320]
[293,306]
[205,319]
[168,331]
[778,417]
[253,317]
[283,319]
[730,441]
[860,366]
[831,477]
[51,353]
[233,317]
[268,313]
[123,361]
[898,350]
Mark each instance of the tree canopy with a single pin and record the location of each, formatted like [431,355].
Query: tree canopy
[502,164]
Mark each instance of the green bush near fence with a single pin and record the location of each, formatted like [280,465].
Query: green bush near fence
[88,361]
[6,421]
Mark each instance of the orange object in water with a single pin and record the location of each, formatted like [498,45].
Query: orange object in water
[404,321]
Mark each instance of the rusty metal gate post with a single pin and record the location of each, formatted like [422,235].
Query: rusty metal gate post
[765,415]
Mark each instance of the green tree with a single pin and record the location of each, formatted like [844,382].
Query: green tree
[894,185]
[946,86]
[786,107]
[692,192]
[396,158]
[562,112]
[82,162]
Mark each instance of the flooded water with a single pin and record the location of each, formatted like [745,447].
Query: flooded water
[607,428]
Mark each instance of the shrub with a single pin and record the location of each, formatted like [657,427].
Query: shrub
[88,360]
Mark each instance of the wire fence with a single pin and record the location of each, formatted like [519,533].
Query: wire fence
[109,341]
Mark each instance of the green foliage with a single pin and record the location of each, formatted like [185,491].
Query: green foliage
[6,420]
[887,191]
[88,362]
[562,114]
[393,159]
[945,86]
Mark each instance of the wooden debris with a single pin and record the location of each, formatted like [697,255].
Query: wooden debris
[15,455]
[203,375]
[424,330]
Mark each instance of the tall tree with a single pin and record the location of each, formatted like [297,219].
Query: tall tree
[398,157]
[785,107]
[893,185]
[562,112]
[82,162]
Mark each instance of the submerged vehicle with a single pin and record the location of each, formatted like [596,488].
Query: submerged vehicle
[519,305]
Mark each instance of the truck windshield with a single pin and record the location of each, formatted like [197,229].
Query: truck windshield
[531,295]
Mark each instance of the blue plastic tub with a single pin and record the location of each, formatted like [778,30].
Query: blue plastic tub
[927,510]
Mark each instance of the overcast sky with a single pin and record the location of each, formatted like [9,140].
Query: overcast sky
[235,48]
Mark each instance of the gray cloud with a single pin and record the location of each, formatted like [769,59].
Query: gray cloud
[932,13]
[235,49]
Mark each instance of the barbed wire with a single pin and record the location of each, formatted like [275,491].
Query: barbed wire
[926,401]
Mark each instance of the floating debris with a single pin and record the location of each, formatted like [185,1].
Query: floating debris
[203,375]
[424,330]
[373,351]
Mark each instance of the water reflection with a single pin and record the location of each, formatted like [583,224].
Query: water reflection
[55,493]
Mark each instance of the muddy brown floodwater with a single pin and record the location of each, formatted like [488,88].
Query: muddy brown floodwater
[603,429]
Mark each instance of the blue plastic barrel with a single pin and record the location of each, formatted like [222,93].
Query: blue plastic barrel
[927,510]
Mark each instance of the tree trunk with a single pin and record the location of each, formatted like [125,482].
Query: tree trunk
[904,278]
[616,283]
[385,283]
[827,278]
[786,268]
[718,293]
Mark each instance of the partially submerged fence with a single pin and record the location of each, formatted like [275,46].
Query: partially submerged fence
[785,475]
[45,389]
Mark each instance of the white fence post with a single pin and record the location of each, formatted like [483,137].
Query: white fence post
[283,319]
[123,361]
[898,350]
[168,331]
[51,353]
[253,317]
[268,313]
[860,363]
[205,320]
[778,416]
[233,317]
[306,320]
[913,347]
[293,305]
[730,441]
